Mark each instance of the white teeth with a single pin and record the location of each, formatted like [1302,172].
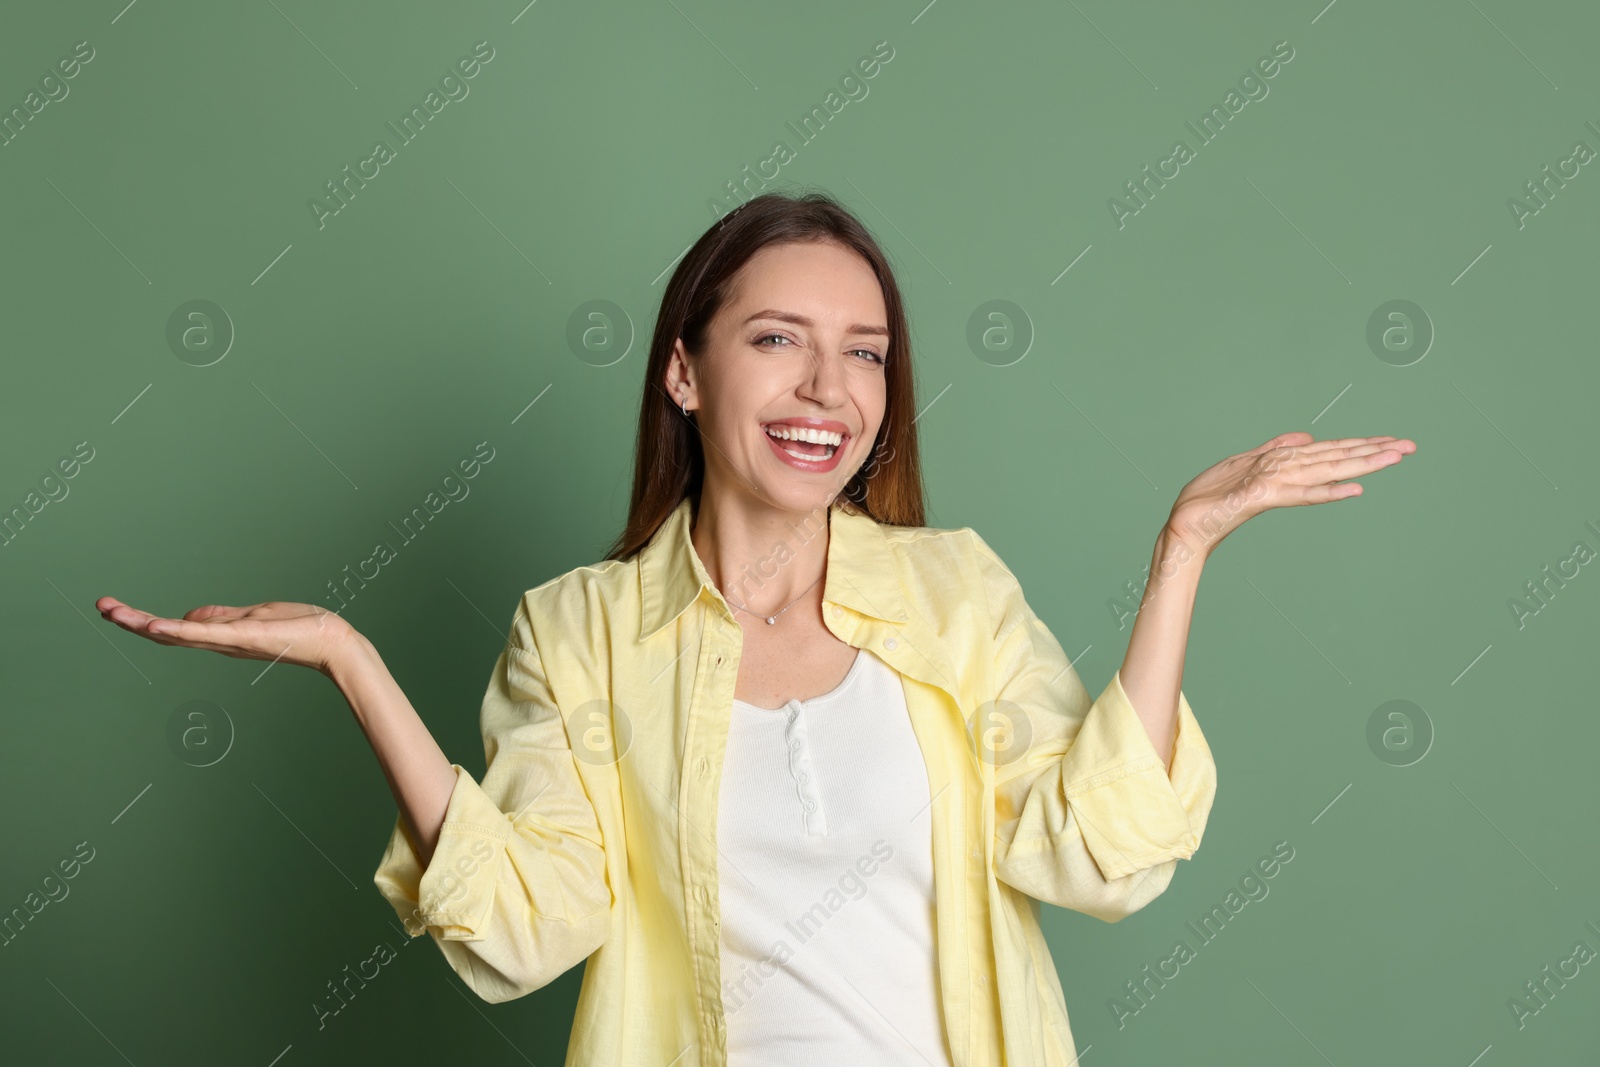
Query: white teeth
[814,459]
[800,433]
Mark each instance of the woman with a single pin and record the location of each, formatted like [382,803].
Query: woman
[789,768]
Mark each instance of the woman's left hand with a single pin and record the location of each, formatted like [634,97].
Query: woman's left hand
[1289,470]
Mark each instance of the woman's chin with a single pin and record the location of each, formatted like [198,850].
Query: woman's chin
[808,498]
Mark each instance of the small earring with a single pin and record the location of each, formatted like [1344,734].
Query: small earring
[682,406]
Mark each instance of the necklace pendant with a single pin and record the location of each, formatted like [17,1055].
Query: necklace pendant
[772,620]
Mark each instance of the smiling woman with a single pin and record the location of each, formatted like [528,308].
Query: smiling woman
[776,666]
[788,324]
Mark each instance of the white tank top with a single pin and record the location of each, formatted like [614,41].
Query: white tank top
[825,867]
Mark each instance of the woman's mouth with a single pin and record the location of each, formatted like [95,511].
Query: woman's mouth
[806,449]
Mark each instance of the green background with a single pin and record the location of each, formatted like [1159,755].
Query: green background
[370,355]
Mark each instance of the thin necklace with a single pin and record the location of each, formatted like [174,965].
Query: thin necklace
[772,620]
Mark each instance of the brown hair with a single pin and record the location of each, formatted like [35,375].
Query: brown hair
[669,461]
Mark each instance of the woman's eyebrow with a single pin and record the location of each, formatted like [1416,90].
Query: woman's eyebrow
[801,320]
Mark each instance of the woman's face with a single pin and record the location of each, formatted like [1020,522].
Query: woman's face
[800,347]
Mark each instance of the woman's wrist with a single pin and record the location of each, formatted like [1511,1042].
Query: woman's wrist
[351,655]
[1175,559]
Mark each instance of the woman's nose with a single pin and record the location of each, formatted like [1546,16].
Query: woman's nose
[825,382]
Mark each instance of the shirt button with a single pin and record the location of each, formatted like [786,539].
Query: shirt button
[837,611]
[983,979]
[974,853]
[811,805]
[890,643]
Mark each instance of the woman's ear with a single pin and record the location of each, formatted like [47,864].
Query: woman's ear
[680,376]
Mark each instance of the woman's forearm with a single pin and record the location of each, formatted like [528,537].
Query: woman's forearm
[419,773]
[1152,669]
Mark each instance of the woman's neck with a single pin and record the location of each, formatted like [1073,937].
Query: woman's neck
[763,558]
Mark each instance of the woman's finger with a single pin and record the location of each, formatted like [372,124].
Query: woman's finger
[1321,494]
[127,617]
[212,611]
[131,618]
[1325,455]
[208,635]
[1316,448]
[221,634]
[1310,448]
[1337,470]
[239,639]
[179,632]
[106,604]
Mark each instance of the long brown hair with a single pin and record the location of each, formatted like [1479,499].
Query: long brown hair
[669,460]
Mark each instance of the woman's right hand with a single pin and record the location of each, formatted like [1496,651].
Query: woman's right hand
[302,634]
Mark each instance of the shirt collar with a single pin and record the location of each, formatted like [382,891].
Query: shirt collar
[861,574]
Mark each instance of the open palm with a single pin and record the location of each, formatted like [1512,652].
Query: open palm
[1290,470]
[302,634]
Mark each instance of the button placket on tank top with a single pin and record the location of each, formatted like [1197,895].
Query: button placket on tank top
[813,817]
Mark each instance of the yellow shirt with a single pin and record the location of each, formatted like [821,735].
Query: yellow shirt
[593,833]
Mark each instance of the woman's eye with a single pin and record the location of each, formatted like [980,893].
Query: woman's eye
[872,357]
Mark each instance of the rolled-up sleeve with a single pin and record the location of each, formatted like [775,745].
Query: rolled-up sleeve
[515,893]
[1087,816]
